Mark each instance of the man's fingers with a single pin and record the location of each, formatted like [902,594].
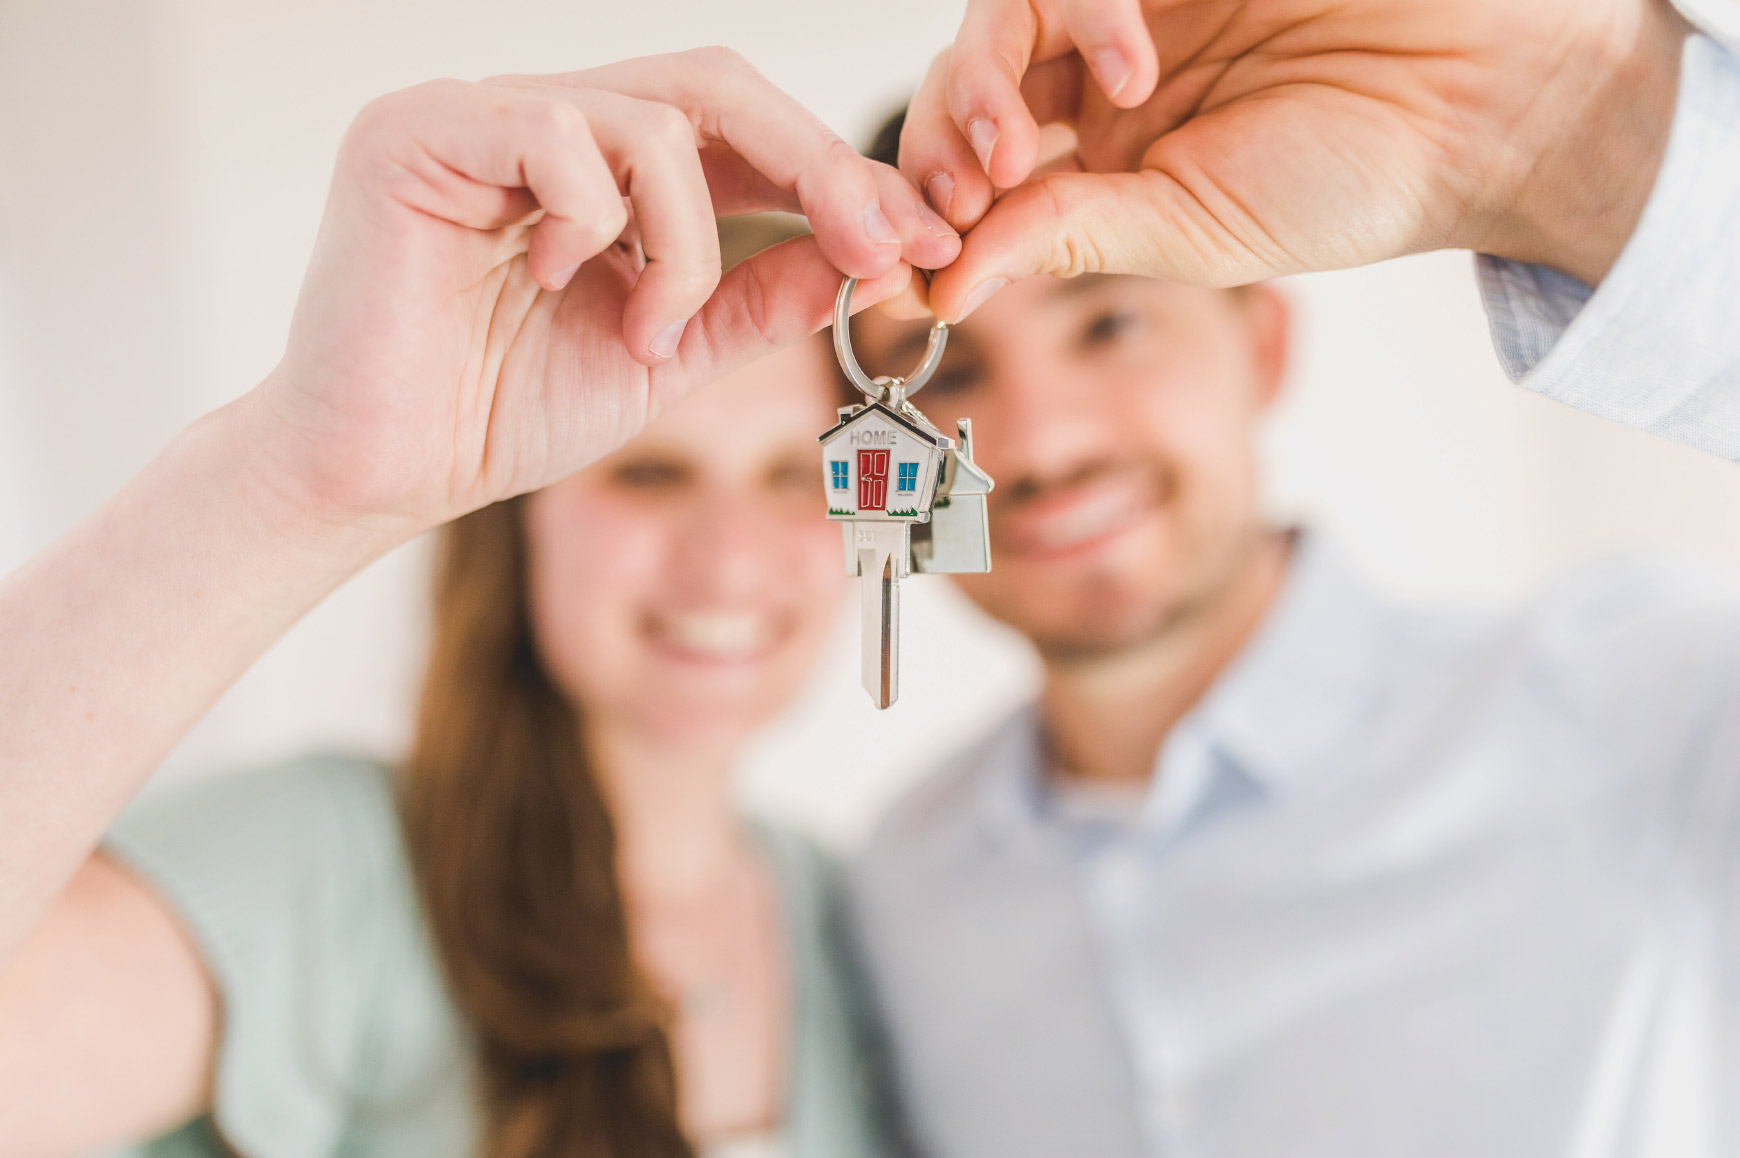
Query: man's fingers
[1113,39]
[768,302]
[936,157]
[926,239]
[1067,224]
[983,87]
[1052,90]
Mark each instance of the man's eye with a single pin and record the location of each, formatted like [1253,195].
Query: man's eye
[1108,327]
[649,475]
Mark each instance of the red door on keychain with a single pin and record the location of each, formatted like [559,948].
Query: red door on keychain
[872,480]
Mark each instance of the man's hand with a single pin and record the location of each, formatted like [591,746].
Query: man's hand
[1224,141]
[513,276]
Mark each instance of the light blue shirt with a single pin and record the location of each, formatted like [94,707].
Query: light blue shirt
[340,1037]
[1407,882]
[1658,345]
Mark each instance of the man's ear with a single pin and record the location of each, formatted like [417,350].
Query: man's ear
[1270,316]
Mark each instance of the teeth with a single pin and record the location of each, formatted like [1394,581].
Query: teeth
[716,634]
[1088,519]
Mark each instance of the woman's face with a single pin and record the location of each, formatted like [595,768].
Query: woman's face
[685,583]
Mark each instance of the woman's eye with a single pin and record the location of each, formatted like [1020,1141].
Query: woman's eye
[799,477]
[1108,327]
[649,475]
[952,380]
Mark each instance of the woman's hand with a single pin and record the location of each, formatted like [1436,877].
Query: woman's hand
[510,278]
[513,276]
[1229,140]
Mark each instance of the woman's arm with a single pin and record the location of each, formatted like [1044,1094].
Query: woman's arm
[109,1022]
[510,278]
[471,328]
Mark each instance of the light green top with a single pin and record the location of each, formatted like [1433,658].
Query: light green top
[338,1033]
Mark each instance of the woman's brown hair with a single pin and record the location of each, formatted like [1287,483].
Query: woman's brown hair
[514,850]
[515,855]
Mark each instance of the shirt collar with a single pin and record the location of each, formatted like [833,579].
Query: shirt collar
[1306,680]
[1311,675]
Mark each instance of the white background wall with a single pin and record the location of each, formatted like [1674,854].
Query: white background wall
[162,167]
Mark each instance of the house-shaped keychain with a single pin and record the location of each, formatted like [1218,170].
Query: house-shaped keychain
[908,498]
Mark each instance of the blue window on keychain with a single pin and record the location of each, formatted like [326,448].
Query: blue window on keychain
[839,471]
[908,476]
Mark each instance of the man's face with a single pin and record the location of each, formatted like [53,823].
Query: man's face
[1117,415]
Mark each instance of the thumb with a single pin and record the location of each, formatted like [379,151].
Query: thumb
[1067,224]
[779,296]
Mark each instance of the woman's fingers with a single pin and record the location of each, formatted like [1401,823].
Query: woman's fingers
[768,302]
[485,157]
[742,116]
[651,150]
[664,134]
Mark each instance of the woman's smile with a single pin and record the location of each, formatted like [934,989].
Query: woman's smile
[717,636]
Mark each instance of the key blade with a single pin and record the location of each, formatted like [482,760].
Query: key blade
[880,592]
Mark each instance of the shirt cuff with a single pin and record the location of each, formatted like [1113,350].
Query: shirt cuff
[1717,18]
[1657,346]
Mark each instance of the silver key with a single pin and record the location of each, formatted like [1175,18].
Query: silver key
[880,550]
[907,497]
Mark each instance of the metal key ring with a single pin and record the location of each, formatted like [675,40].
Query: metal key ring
[877,389]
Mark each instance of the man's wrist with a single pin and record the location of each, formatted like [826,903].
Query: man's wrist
[1577,207]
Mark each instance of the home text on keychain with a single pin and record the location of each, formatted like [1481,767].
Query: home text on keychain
[907,497]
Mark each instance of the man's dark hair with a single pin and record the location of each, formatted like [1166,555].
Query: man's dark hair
[885,145]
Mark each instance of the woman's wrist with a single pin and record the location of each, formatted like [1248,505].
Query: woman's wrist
[120,635]
[294,488]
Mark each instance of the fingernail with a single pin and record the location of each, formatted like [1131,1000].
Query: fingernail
[877,227]
[664,343]
[1112,69]
[561,278]
[933,224]
[981,293]
[940,188]
[983,135]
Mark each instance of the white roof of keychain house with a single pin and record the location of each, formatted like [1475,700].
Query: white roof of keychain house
[917,426]
[969,479]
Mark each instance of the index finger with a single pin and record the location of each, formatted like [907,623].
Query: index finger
[836,188]
[982,87]
[779,296]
